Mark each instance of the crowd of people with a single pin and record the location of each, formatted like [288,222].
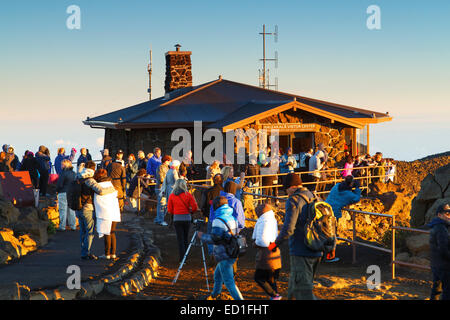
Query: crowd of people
[108,188]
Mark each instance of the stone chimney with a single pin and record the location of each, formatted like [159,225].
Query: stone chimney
[178,69]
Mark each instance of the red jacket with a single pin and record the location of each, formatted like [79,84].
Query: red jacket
[180,204]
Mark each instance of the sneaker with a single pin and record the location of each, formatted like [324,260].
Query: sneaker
[164,224]
[336,259]
[277,297]
[105,257]
[113,256]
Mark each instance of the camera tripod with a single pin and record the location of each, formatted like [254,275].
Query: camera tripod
[198,243]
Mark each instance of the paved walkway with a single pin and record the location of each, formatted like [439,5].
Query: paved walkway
[46,267]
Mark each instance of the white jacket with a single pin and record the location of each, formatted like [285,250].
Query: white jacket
[106,210]
[266,229]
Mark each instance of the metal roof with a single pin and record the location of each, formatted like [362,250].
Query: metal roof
[217,103]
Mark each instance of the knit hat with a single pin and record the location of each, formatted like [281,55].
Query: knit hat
[292,180]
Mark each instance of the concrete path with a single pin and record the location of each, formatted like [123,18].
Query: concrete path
[46,267]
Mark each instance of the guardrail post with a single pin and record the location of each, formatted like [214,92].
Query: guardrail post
[139,195]
[354,237]
[393,247]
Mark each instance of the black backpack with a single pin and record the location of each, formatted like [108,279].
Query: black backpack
[74,195]
[236,245]
[320,225]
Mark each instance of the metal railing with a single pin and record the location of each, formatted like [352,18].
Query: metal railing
[391,251]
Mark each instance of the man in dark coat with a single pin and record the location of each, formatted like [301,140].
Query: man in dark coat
[303,261]
[440,253]
[119,176]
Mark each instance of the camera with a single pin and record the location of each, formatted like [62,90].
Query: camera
[198,223]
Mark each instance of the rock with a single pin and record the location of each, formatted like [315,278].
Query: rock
[403,256]
[14,291]
[4,257]
[11,244]
[37,230]
[418,243]
[8,213]
[431,213]
[418,212]
[442,176]
[429,189]
[420,261]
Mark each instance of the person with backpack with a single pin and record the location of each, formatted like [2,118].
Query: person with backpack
[440,252]
[268,263]
[341,195]
[224,226]
[82,192]
[66,177]
[303,260]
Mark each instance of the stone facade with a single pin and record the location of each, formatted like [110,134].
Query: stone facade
[178,70]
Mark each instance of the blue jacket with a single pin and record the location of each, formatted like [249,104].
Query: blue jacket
[59,158]
[44,162]
[219,232]
[340,198]
[153,164]
[238,210]
[294,225]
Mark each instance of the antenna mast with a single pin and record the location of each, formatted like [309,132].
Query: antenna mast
[264,75]
[149,69]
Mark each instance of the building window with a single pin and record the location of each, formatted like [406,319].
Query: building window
[361,140]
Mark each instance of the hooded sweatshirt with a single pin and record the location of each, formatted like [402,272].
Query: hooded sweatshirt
[89,186]
[439,244]
[219,232]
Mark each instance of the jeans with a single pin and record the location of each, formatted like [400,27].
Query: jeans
[160,209]
[65,213]
[87,222]
[224,275]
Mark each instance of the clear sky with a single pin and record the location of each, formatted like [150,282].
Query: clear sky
[52,78]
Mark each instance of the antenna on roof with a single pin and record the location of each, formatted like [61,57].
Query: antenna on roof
[264,73]
[149,69]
